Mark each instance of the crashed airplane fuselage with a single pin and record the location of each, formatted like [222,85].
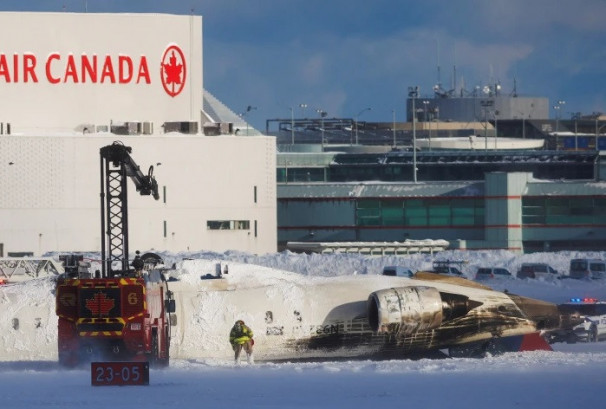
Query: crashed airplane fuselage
[359,316]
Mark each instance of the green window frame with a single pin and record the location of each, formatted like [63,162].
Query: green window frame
[420,212]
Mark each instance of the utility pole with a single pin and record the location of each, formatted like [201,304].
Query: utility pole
[413,93]
[292,125]
[358,116]
[393,113]
[322,114]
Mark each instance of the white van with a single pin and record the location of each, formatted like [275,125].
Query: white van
[539,271]
[397,271]
[587,268]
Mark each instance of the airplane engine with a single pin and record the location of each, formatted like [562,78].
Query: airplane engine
[408,310]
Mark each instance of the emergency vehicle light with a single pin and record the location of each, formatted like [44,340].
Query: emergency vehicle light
[584,300]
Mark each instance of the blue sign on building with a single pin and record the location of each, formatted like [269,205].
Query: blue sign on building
[579,142]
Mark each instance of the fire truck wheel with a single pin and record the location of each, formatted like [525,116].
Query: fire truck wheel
[153,359]
[165,361]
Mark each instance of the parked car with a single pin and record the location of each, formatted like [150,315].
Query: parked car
[484,273]
[587,268]
[448,267]
[538,271]
[397,271]
[593,327]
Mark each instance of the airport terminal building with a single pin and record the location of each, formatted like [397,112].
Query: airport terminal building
[365,188]
[517,201]
[72,83]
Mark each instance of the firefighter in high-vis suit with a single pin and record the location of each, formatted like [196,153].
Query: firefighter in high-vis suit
[241,337]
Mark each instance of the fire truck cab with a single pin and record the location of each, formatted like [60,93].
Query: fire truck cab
[119,318]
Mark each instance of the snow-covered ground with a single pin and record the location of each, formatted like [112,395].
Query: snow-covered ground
[570,376]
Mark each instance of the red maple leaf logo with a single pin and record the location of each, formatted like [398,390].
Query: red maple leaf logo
[100,305]
[173,71]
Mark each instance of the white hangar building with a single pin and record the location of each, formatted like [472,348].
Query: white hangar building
[73,83]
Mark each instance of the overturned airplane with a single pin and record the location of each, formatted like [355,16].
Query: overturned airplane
[297,317]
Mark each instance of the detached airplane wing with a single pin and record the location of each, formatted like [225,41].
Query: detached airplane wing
[296,317]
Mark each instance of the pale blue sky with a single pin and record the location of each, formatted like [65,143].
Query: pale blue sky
[343,56]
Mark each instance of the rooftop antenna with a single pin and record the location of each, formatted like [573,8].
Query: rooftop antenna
[462,91]
[454,69]
[438,62]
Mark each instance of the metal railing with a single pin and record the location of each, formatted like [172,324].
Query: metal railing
[15,269]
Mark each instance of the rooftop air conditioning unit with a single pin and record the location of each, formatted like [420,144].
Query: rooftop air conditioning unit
[119,128]
[227,128]
[134,128]
[212,129]
[5,128]
[181,127]
[126,128]
[148,128]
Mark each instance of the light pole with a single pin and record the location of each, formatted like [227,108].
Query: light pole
[303,106]
[322,114]
[485,129]
[576,116]
[437,112]
[523,124]
[393,127]
[358,116]
[413,93]
[425,104]
[243,115]
[557,113]
[292,125]
[556,108]
[496,129]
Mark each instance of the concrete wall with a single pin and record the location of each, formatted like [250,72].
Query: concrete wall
[480,108]
[50,194]
[503,215]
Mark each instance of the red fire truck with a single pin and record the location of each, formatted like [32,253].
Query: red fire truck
[123,311]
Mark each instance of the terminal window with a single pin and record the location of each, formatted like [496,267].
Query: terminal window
[228,224]
[563,210]
[420,212]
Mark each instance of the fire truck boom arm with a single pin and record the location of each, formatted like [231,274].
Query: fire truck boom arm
[116,166]
[119,154]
